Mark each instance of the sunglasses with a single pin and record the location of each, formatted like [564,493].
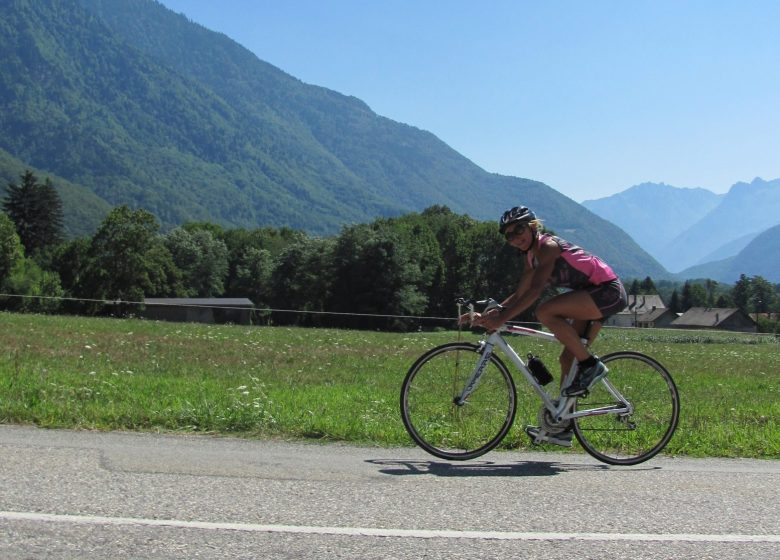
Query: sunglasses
[517,232]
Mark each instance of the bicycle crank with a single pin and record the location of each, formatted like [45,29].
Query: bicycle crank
[549,424]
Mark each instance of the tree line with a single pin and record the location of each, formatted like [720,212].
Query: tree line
[383,274]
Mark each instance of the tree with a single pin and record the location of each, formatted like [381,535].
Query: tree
[693,295]
[647,286]
[419,243]
[252,257]
[69,260]
[22,276]
[251,275]
[455,250]
[202,260]
[10,247]
[127,260]
[724,301]
[740,293]
[374,275]
[302,280]
[30,280]
[674,302]
[763,297]
[711,287]
[36,210]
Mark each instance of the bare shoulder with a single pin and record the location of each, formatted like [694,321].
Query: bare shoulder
[548,250]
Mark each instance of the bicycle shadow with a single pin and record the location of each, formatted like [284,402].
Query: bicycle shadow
[401,467]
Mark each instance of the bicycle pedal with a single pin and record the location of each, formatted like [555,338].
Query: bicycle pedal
[536,438]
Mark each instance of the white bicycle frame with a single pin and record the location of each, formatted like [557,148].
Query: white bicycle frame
[560,409]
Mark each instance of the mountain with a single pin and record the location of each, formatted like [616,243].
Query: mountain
[126,102]
[655,213]
[730,248]
[746,210]
[758,258]
[682,228]
[85,209]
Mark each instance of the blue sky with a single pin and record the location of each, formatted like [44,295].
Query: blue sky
[589,97]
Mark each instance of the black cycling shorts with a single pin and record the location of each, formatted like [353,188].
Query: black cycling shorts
[609,297]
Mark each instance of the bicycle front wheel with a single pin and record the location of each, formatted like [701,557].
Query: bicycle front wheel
[431,414]
[629,438]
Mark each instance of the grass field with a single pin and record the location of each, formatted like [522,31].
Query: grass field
[126,374]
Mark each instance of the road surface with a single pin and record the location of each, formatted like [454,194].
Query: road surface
[80,494]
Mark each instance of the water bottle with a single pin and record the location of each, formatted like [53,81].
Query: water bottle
[539,370]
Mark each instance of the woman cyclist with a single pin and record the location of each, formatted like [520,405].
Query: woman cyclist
[595,294]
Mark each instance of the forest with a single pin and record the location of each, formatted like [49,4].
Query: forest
[391,273]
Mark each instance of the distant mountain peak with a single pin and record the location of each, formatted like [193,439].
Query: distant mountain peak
[680,226]
[649,189]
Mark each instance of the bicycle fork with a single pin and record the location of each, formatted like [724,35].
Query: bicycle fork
[486,351]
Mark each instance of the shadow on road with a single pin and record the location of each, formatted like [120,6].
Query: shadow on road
[400,467]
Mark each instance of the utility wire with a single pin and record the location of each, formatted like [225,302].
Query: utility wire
[231,307]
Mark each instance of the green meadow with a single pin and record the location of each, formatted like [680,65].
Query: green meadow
[336,385]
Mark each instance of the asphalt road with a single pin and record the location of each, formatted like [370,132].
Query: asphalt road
[71,494]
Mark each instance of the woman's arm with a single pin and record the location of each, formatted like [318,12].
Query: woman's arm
[530,289]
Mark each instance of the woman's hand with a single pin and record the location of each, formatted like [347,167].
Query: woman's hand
[490,321]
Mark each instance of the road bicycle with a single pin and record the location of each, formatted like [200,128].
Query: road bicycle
[459,400]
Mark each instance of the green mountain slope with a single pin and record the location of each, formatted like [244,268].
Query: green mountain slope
[85,209]
[137,105]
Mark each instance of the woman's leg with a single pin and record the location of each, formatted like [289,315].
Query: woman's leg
[566,358]
[555,314]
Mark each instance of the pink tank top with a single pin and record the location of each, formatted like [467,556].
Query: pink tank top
[575,267]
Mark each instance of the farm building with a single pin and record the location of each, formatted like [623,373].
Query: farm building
[642,311]
[729,319]
[656,319]
[199,310]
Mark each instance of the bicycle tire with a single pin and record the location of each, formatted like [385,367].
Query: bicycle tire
[448,430]
[635,438]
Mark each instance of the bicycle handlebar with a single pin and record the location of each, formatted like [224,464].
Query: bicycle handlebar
[487,304]
[472,302]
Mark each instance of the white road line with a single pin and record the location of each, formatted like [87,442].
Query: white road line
[373,532]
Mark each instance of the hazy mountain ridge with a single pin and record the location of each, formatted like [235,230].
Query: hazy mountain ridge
[748,208]
[132,104]
[727,240]
[655,213]
[758,258]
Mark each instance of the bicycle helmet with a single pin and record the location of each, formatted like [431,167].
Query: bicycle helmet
[516,214]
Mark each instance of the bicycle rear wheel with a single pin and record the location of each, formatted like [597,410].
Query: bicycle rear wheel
[629,439]
[442,427]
